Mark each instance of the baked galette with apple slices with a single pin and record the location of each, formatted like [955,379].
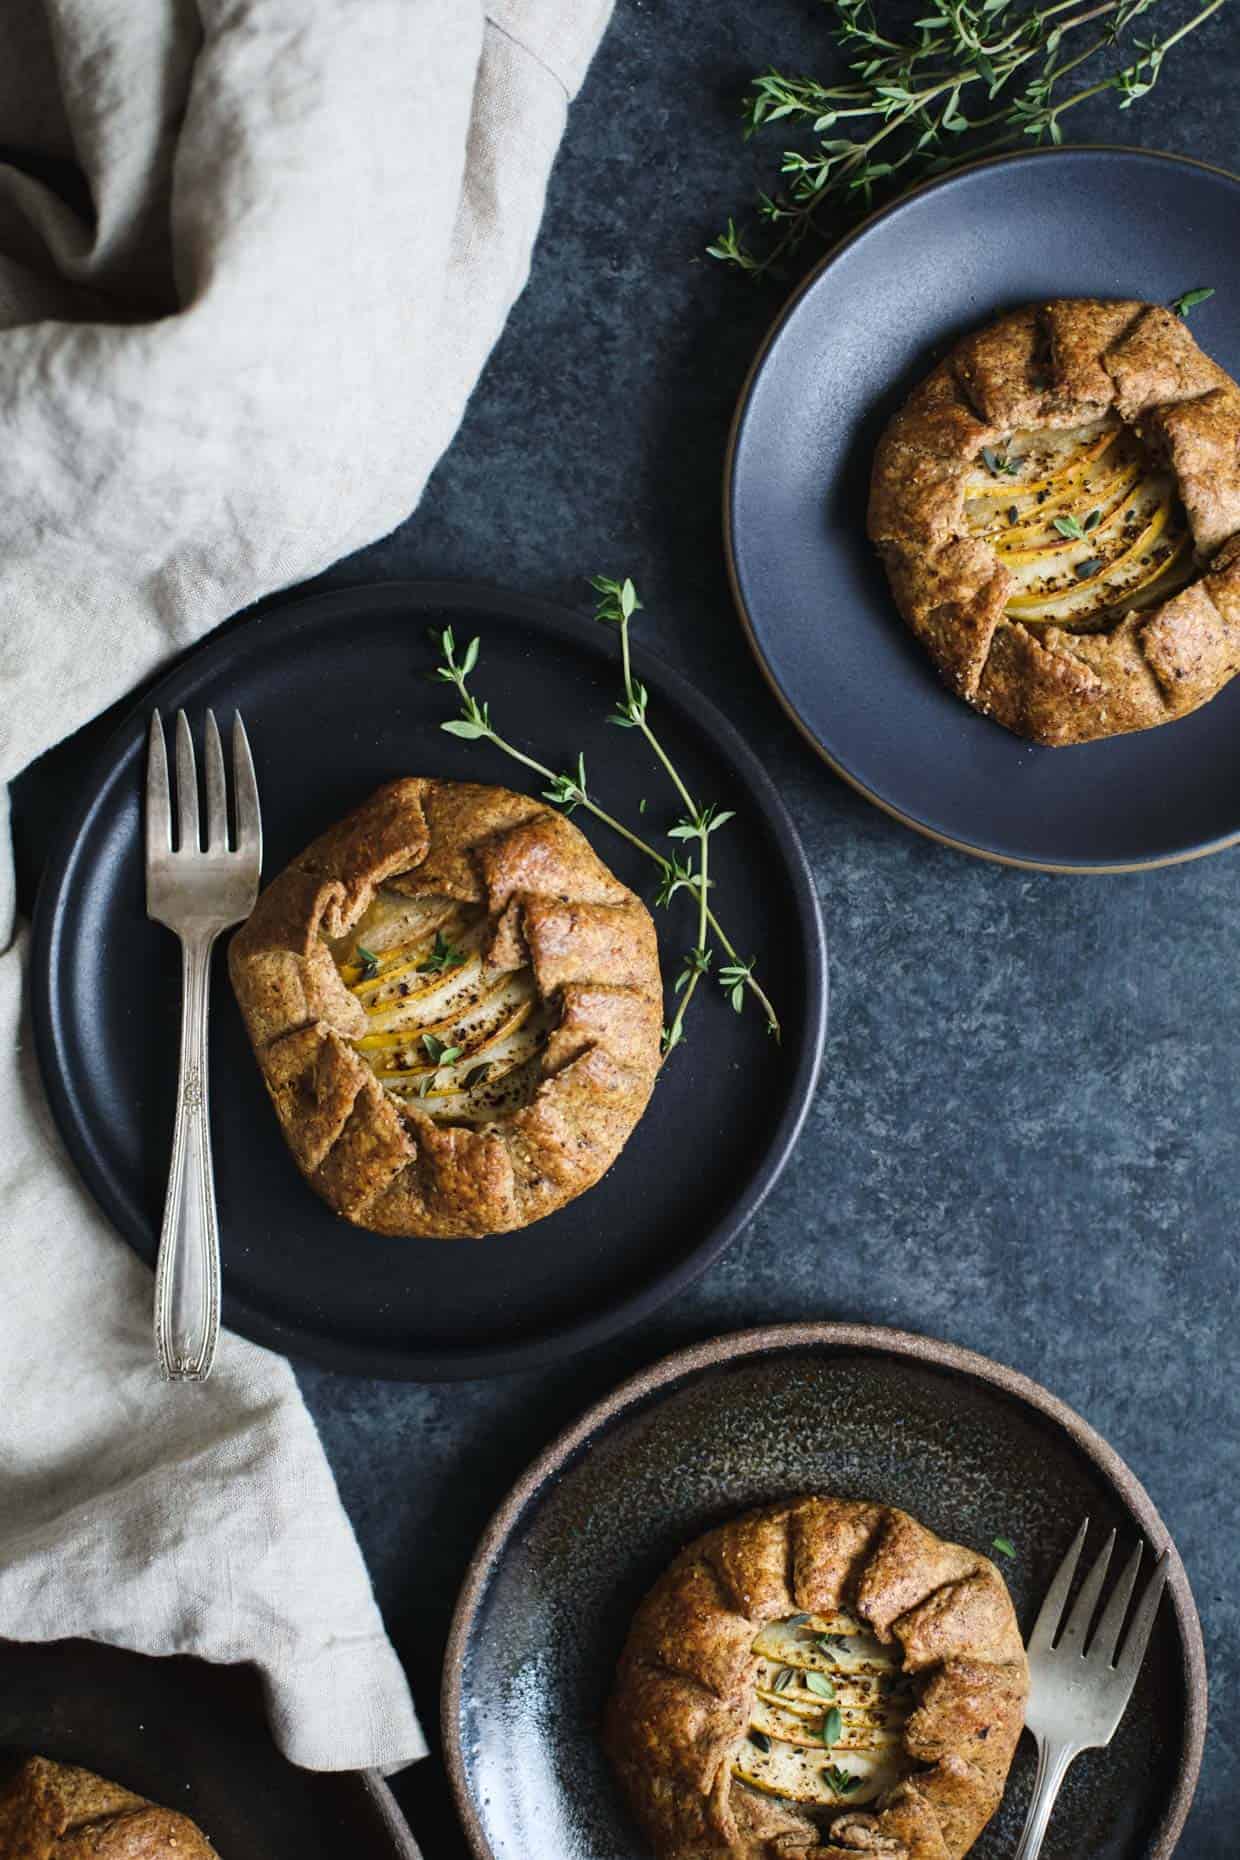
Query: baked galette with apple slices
[822,1679]
[54,1811]
[1058,510]
[456,1009]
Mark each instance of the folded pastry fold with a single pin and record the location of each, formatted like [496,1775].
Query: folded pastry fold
[456,1009]
[1100,434]
[818,1680]
[54,1811]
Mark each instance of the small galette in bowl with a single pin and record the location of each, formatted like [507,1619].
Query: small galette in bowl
[819,1680]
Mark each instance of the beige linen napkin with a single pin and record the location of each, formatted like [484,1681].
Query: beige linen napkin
[231,356]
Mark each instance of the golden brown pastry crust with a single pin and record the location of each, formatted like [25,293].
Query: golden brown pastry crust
[551,903]
[1063,364]
[53,1811]
[685,1685]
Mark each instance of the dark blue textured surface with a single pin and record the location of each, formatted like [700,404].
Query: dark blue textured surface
[1026,1136]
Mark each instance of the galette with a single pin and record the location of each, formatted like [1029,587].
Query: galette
[456,1009]
[1057,506]
[819,1680]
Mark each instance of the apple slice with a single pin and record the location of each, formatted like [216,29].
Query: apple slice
[1031,462]
[1163,563]
[1085,486]
[412,1058]
[476,1092]
[820,1677]
[861,1727]
[391,923]
[1156,550]
[422,964]
[801,1692]
[505,1089]
[473,1021]
[826,1777]
[825,1644]
[1179,568]
[1132,529]
[1090,503]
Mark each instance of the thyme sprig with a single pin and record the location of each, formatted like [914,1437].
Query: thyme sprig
[920,101]
[616,604]
[690,873]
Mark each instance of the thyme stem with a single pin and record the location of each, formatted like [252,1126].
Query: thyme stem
[571,791]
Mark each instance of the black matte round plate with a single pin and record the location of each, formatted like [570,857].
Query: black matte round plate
[193,1737]
[869,323]
[971,1448]
[337,698]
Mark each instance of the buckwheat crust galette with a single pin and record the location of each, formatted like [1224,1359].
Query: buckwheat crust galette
[53,1811]
[456,1009]
[1058,510]
[819,1679]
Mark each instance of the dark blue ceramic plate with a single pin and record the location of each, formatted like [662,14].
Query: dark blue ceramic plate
[973,1449]
[868,324]
[338,696]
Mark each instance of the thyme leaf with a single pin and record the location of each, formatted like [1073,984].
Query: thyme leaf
[1190,300]
[369,962]
[444,955]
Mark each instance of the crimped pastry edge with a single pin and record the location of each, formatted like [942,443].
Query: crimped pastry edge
[684,1685]
[1059,364]
[390,1168]
[48,1809]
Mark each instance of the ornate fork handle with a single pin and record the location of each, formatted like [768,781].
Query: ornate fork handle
[1053,1761]
[187,1275]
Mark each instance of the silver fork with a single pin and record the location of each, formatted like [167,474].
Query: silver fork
[196,893]
[1079,1693]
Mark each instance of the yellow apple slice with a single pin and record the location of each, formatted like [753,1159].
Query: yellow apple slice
[1175,573]
[1098,602]
[800,1692]
[1031,462]
[471,1023]
[1098,586]
[410,1061]
[389,924]
[424,974]
[499,1094]
[1132,529]
[822,1776]
[799,1643]
[823,1677]
[1090,504]
[861,1727]
[1087,485]
[458,991]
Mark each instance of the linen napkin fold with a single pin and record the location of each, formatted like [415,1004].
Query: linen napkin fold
[253,255]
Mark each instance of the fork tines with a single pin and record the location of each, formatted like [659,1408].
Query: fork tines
[1047,1638]
[159,837]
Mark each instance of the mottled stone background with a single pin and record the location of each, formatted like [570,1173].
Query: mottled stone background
[1025,1138]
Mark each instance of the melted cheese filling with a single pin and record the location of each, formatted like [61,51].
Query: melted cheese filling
[1085,522]
[444,1031]
[829,1710]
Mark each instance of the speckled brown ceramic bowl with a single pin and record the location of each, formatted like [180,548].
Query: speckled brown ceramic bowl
[974,1450]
